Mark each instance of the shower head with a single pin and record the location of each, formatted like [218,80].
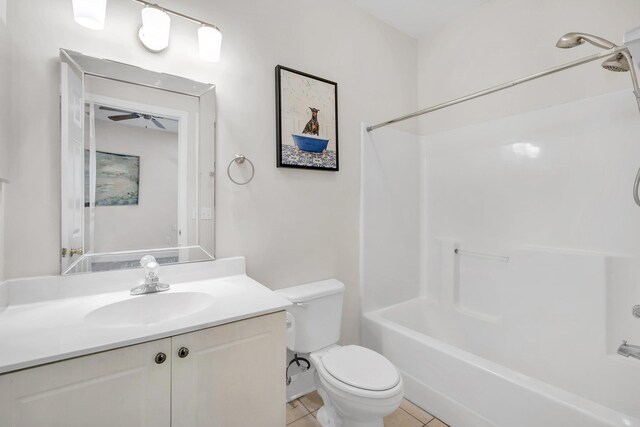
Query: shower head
[570,40]
[617,63]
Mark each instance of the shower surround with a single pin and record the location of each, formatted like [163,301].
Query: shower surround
[520,327]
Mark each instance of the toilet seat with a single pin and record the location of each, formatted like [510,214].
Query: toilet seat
[343,381]
[361,368]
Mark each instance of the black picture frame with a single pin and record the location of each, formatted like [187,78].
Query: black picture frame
[300,151]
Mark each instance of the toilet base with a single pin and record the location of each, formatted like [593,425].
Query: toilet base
[327,421]
[330,415]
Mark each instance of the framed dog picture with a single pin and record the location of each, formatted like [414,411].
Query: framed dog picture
[306,120]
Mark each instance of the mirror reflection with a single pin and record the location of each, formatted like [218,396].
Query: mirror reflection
[131,172]
[134,168]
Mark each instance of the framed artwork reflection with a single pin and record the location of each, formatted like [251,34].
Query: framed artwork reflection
[117,179]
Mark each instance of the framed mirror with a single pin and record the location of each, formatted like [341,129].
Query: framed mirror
[137,161]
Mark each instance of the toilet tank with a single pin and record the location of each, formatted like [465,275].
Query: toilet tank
[317,313]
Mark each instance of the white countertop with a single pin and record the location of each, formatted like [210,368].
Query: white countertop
[36,330]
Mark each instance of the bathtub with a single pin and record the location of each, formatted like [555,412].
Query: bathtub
[310,143]
[466,390]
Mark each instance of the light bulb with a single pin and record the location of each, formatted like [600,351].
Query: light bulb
[154,33]
[90,13]
[210,43]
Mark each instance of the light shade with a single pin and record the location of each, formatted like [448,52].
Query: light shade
[210,41]
[90,13]
[154,33]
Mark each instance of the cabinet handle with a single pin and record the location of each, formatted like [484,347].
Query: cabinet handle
[183,352]
[160,358]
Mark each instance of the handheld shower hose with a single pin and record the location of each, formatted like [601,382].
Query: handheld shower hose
[636,92]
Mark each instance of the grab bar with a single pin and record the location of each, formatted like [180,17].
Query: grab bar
[481,255]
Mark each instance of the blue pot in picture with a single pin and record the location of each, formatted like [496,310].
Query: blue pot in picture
[310,143]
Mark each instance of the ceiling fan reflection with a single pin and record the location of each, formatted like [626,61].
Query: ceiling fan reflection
[130,115]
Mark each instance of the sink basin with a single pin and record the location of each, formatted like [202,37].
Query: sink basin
[150,309]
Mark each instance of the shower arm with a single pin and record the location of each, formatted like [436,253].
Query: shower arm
[604,54]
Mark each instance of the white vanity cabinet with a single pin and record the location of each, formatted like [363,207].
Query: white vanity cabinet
[229,375]
[123,387]
[233,375]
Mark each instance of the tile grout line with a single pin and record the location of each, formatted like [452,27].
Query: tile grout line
[305,406]
[297,419]
[427,423]
[423,424]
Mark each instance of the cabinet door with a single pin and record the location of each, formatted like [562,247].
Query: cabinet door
[123,387]
[233,376]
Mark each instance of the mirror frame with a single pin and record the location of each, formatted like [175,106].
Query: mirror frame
[84,66]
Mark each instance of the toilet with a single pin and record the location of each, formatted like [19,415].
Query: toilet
[358,386]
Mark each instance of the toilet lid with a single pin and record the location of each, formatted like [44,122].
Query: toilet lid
[362,368]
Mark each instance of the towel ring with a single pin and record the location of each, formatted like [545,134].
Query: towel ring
[239,159]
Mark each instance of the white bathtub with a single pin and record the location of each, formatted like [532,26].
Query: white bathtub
[466,390]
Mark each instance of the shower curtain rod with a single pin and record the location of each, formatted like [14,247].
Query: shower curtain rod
[503,86]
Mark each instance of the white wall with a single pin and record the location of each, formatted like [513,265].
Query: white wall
[294,226]
[506,39]
[390,236]
[153,222]
[2,208]
[5,102]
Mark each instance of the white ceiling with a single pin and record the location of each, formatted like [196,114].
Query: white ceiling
[417,18]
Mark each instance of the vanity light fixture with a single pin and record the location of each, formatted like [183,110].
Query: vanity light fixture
[90,13]
[154,32]
[209,41]
[156,23]
[156,26]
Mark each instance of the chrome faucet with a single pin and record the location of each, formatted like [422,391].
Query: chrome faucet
[151,282]
[627,350]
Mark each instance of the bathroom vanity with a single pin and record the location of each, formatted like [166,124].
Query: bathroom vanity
[80,350]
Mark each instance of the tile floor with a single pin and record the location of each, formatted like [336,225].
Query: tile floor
[302,413]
